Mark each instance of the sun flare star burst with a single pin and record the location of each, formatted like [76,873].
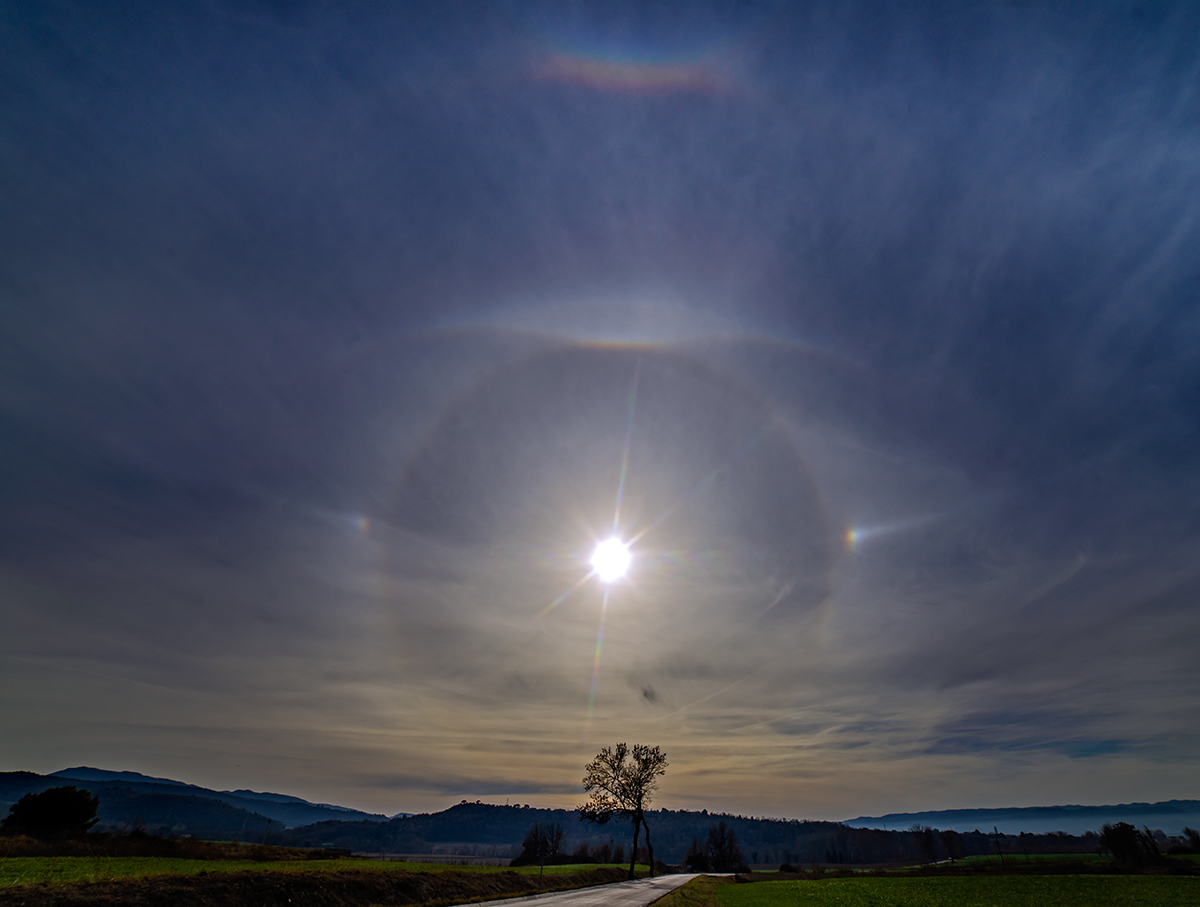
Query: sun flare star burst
[610,560]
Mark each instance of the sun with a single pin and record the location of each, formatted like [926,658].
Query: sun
[610,560]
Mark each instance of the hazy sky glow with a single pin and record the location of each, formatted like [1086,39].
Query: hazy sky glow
[328,336]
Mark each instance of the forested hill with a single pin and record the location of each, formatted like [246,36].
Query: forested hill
[487,830]
[163,806]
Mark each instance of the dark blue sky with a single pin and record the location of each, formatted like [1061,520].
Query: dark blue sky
[325,331]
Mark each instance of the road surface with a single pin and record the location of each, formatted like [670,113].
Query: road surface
[637,893]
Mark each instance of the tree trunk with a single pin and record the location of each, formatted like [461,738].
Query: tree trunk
[637,830]
[649,846]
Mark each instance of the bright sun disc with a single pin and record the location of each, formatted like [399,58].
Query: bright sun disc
[610,560]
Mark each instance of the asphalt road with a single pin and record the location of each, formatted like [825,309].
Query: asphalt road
[637,893]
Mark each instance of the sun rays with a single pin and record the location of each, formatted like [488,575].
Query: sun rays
[614,554]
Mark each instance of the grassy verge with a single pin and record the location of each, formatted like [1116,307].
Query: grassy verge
[983,891]
[16,871]
[296,884]
[699,892]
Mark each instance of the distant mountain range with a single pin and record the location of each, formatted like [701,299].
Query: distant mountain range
[1171,816]
[131,799]
[165,806]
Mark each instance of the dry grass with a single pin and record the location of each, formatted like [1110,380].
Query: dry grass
[350,885]
[699,892]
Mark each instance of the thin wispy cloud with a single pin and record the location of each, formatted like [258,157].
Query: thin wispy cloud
[318,336]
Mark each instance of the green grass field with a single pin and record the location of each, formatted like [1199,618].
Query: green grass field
[1033,857]
[988,891]
[56,870]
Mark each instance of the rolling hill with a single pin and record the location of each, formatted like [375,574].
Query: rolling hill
[130,799]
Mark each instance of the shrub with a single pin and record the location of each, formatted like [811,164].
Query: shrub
[59,812]
[1128,846]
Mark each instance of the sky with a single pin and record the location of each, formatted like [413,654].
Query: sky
[334,337]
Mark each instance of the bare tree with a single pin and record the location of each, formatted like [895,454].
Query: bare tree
[926,843]
[554,838]
[724,852]
[542,842]
[621,781]
[696,858]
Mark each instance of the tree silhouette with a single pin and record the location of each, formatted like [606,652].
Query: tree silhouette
[724,852]
[541,843]
[924,840]
[1128,846]
[953,842]
[621,781]
[60,812]
[696,858]
[1193,837]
